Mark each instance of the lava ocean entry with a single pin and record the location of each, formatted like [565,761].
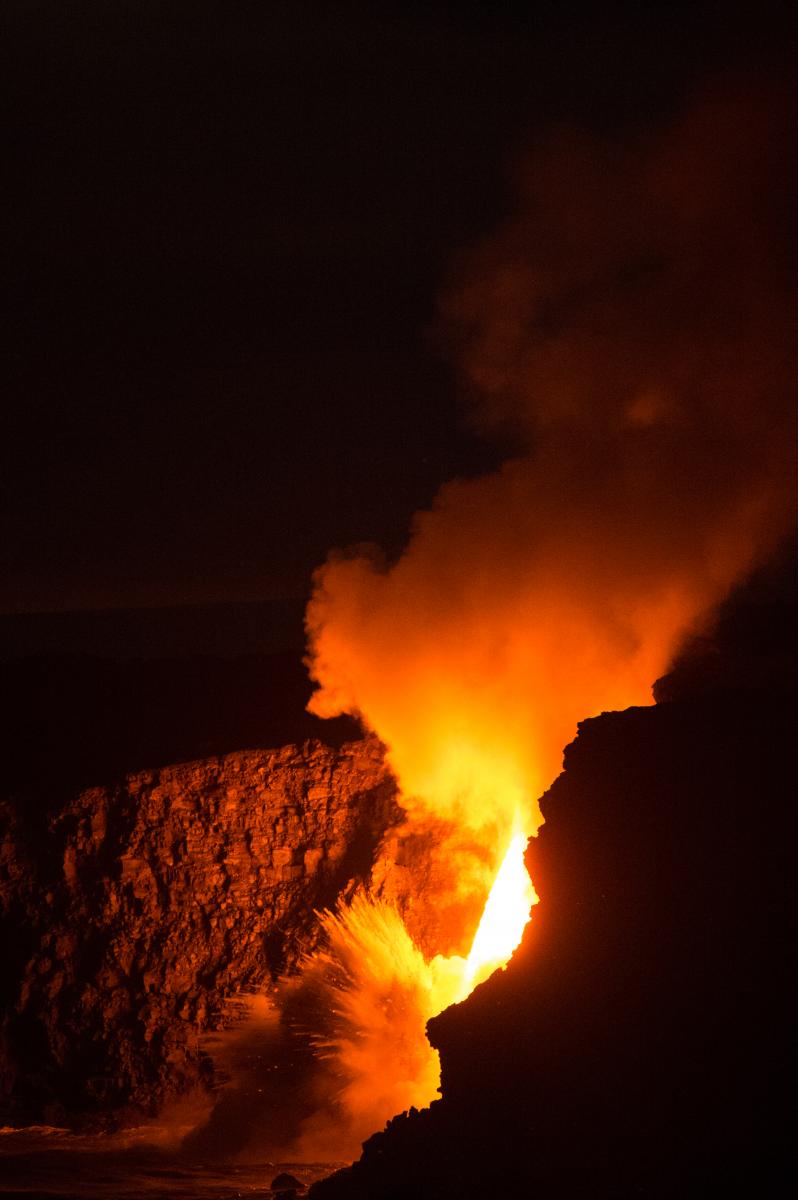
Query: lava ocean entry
[630,325]
[630,331]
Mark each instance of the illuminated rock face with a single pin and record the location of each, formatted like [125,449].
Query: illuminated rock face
[639,1042]
[139,908]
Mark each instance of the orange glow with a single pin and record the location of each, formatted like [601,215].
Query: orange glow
[473,657]
[381,992]
[504,919]
[654,466]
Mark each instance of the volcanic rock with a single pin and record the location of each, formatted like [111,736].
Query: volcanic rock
[640,1042]
[287,1185]
[131,913]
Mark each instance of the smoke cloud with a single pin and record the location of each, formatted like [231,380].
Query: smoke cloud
[631,329]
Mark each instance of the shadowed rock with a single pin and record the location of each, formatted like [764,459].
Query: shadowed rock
[138,909]
[639,1044]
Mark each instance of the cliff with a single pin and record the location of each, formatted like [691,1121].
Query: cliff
[639,1042]
[131,913]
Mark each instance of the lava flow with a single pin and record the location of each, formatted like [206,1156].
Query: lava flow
[381,992]
[506,914]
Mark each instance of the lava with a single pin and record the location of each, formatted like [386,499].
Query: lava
[504,919]
[380,991]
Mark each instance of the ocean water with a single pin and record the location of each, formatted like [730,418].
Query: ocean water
[201,1147]
[55,1164]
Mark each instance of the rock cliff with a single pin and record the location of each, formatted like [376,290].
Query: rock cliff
[640,1042]
[131,913]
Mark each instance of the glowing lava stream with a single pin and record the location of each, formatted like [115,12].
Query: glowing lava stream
[504,918]
[380,992]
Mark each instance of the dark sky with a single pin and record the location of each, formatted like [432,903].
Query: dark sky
[230,225]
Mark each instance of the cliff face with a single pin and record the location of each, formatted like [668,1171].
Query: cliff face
[639,1042]
[131,913]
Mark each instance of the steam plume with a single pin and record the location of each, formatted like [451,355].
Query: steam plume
[631,327]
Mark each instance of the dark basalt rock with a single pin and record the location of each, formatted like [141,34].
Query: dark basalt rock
[640,1042]
[751,646]
[130,914]
[287,1185]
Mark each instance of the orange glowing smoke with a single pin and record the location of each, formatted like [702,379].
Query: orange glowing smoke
[632,328]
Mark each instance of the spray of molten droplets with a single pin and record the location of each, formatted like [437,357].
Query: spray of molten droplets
[381,992]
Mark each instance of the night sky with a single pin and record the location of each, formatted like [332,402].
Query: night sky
[230,227]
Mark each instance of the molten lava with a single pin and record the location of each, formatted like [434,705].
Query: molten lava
[504,919]
[381,991]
